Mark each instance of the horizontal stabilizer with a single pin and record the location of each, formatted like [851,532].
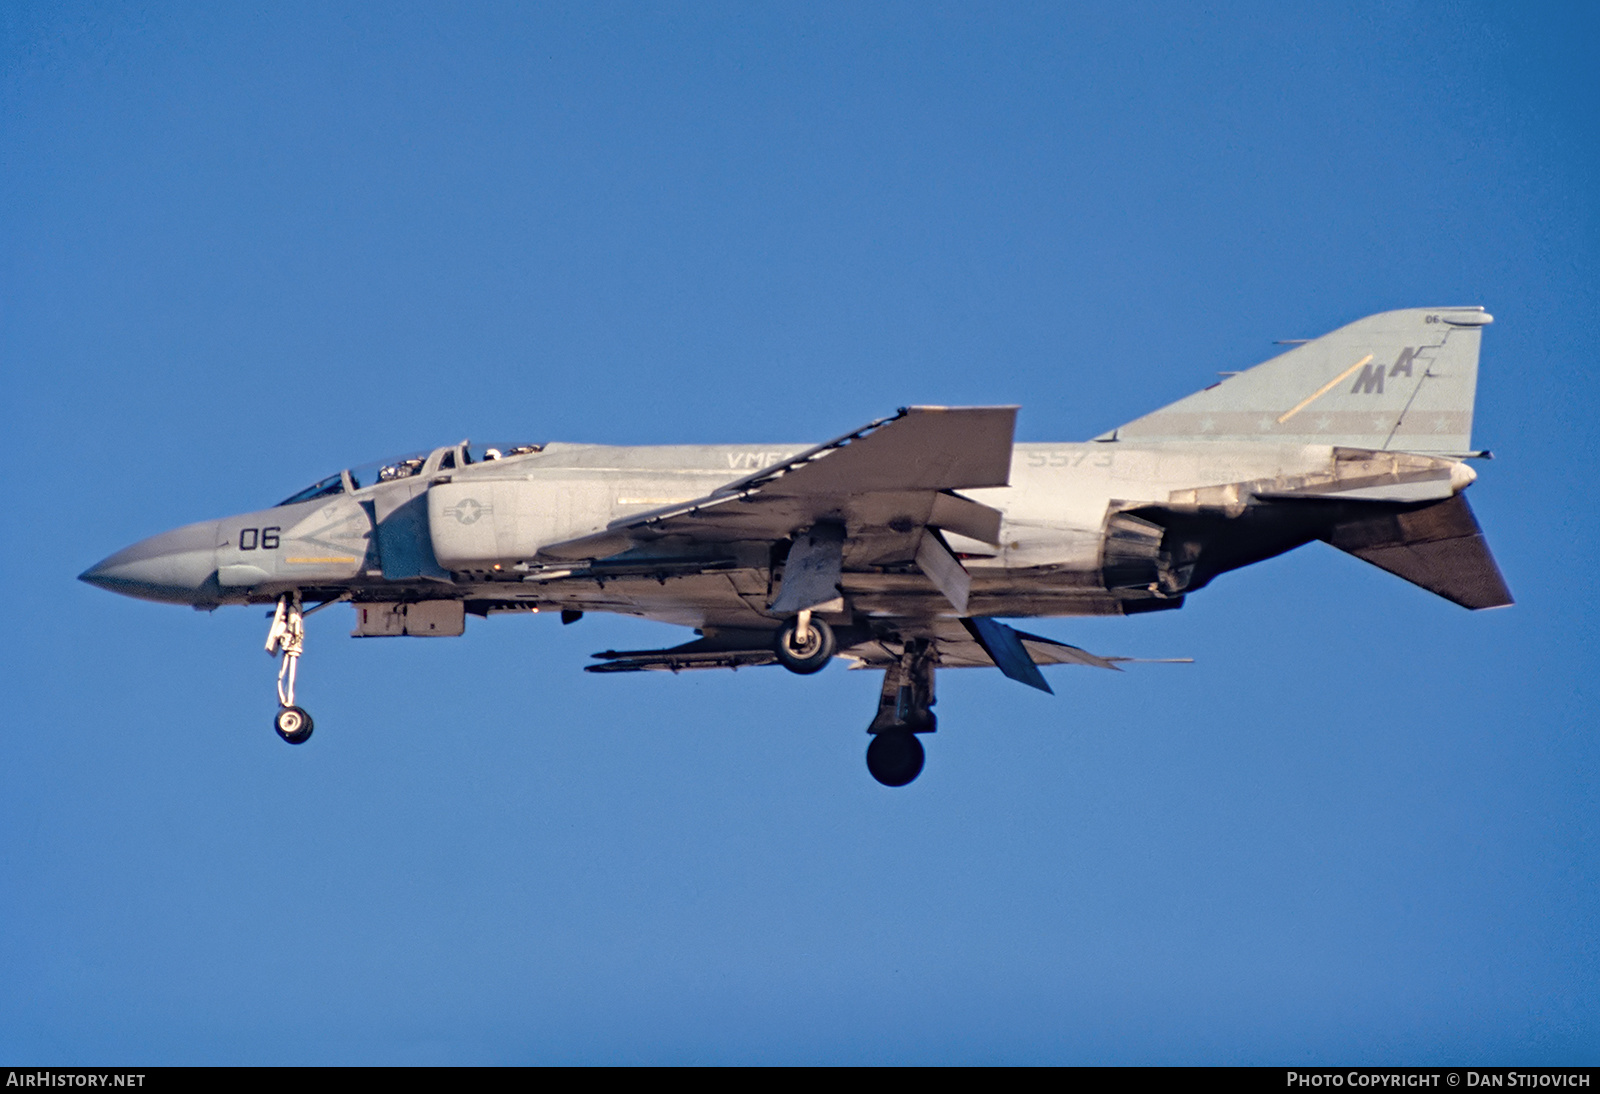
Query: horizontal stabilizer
[1439,547]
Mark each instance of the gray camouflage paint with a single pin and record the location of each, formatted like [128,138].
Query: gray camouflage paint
[1377,413]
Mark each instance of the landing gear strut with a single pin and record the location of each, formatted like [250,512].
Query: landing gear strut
[288,633]
[895,756]
[805,645]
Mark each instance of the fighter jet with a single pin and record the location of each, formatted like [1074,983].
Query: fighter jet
[898,546]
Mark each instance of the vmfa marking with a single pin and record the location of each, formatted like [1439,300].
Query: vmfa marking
[756,461]
[1370,382]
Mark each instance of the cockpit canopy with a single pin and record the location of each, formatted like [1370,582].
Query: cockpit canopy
[404,467]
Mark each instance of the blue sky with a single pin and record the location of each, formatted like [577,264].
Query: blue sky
[244,247]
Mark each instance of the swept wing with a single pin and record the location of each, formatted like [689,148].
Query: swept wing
[884,482]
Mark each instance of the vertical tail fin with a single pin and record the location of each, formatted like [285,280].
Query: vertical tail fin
[1402,381]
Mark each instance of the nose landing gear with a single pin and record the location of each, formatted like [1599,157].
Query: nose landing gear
[288,633]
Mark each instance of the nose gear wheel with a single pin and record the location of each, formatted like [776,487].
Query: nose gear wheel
[293,724]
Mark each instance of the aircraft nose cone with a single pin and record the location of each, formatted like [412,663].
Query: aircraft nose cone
[174,567]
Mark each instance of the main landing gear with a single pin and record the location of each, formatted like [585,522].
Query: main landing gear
[895,756]
[805,645]
[288,633]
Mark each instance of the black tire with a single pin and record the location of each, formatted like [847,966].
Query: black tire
[814,656]
[293,725]
[895,757]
